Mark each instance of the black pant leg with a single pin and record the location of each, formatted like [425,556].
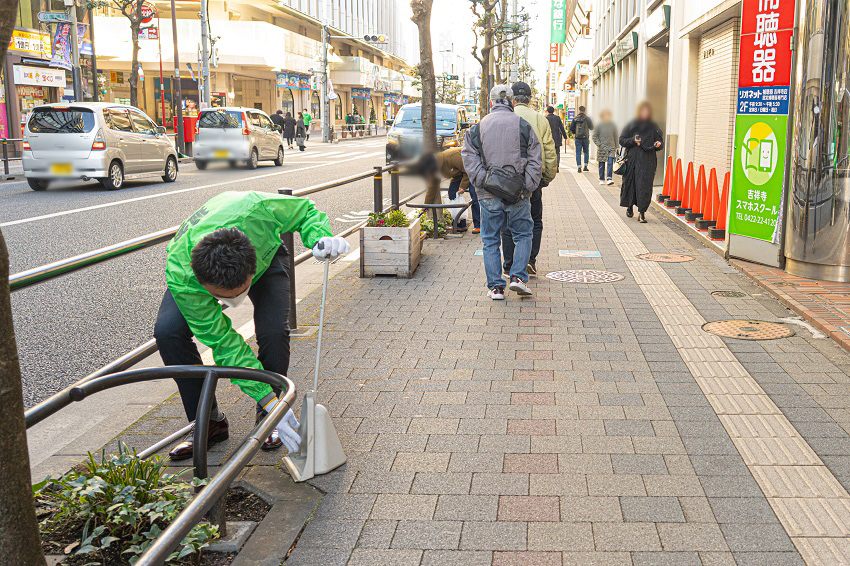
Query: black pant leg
[270,297]
[176,347]
[537,217]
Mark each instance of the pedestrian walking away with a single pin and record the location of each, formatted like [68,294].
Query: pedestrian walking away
[540,125]
[581,127]
[230,249]
[642,138]
[300,132]
[559,134]
[308,119]
[503,159]
[278,120]
[607,143]
[289,124]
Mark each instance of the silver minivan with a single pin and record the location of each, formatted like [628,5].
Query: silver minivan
[236,135]
[94,140]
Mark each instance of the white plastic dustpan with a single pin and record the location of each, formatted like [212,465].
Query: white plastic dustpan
[321,450]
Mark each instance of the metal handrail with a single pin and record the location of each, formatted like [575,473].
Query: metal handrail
[4,142]
[210,496]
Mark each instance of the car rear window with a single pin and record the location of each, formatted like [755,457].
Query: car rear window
[220,119]
[61,121]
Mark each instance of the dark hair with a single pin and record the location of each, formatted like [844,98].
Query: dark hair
[225,258]
[522,98]
[550,109]
[581,108]
[279,112]
[289,115]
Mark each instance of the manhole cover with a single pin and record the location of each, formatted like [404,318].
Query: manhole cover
[749,329]
[729,294]
[667,258]
[584,276]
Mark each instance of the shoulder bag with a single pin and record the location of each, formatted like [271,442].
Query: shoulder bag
[499,181]
[621,164]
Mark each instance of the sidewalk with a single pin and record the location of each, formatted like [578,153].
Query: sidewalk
[591,424]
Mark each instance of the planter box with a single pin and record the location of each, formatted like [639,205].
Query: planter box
[390,251]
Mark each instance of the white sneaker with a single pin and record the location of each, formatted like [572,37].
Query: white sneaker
[610,181]
[519,287]
[601,182]
[497,293]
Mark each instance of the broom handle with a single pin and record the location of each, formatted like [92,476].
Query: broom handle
[321,325]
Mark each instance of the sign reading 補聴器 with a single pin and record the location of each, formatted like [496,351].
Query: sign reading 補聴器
[761,121]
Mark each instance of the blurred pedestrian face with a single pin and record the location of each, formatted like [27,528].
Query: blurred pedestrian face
[644,111]
[605,115]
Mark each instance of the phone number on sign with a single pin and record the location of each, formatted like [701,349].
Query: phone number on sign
[755,219]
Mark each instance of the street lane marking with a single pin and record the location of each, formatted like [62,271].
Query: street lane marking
[169,193]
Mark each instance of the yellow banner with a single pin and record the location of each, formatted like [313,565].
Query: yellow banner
[31,42]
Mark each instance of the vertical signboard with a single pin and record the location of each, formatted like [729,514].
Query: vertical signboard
[558,32]
[761,123]
[554,52]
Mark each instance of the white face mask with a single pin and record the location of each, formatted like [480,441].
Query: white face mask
[234,302]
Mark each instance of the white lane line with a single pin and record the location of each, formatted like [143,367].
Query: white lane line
[169,193]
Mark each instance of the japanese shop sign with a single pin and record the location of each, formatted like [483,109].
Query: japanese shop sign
[554,53]
[558,32]
[761,123]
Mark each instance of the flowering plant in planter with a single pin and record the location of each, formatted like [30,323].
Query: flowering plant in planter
[391,219]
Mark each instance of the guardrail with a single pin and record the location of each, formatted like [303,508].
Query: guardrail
[355,130]
[4,142]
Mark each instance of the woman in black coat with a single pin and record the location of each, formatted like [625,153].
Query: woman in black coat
[300,131]
[289,129]
[642,138]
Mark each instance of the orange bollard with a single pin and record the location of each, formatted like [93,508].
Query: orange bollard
[687,194]
[698,197]
[676,192]
[711,203]
[719,230]
[668,180]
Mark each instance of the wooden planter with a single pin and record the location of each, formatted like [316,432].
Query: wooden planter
[390,251]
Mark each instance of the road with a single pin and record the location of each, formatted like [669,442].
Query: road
[68,327]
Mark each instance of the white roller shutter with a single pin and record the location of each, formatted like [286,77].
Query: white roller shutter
[717,85]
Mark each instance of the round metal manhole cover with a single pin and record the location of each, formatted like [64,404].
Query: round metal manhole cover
[729,294]
[667,258]
[584,276]
[749,329]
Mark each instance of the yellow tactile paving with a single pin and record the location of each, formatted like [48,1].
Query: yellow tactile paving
[813,507]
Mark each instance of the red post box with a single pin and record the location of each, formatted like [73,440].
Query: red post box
[189,123]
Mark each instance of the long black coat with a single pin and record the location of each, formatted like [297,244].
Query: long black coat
[640,173]
[289,127]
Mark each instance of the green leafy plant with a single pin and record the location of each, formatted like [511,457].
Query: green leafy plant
[426,222]
[391,219]
[114,509]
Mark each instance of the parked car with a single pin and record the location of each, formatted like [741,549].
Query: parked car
[236,134]
[404,140]
[94,140]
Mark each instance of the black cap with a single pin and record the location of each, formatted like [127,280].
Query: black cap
[521,89]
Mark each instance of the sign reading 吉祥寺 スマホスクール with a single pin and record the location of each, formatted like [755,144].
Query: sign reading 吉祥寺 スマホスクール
[761,121]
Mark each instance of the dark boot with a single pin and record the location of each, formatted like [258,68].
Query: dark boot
[273,442]
[630,212]
[642,218]
[218,433]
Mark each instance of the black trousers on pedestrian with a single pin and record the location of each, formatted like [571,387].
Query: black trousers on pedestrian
[558,155]
[537,234]
[270,296]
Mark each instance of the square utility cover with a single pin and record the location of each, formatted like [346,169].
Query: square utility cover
[579,253]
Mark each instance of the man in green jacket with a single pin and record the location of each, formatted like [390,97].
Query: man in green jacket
[540,125]
[307,119]
[227,250]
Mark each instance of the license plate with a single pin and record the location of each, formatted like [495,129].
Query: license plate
[61,169]
[221,154]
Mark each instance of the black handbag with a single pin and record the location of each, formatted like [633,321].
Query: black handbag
[501,182]
[621,164]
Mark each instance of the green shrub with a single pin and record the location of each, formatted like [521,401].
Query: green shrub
[391,219]
[115,509]
[426,222]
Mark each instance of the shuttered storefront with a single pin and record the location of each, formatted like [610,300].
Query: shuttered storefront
[716,97]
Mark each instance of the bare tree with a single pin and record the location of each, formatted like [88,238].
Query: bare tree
[422,19]
[491,33]
[132,10]
[19,541]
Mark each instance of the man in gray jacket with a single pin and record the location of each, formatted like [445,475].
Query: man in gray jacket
[503,139]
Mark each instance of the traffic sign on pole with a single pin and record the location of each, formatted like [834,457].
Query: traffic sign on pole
[53,17]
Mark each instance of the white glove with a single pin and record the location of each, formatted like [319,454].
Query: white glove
[286,429]
[330,247]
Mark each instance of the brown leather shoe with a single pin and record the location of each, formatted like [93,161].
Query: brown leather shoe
[273,442]
[218,433]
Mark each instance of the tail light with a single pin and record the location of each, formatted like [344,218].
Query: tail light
[26,145]
[245,130]
[98,144]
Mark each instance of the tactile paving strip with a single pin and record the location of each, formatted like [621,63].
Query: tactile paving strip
[584,276]
[729,294]
[749,329]
[667,258]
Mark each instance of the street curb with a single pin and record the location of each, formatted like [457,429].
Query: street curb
[691,230]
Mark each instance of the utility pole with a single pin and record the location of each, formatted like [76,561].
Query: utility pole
[178,92]
[324,116]
[205,56]
[514,57]
[75,52]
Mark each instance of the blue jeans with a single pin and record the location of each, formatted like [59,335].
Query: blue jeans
[476,211]
[602,176]
[494,214]
[582,145]
[537,233]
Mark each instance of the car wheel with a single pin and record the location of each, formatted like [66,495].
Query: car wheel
[170,170]
[200,164]
[38,184]
[116,177]
[279,160]
[254,160]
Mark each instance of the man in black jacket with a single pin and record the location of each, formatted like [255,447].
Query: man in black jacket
[558,131]
[580,127]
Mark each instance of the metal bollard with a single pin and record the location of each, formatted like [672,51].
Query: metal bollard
[394,180]
[379,189]
[289,241]
[5,156]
